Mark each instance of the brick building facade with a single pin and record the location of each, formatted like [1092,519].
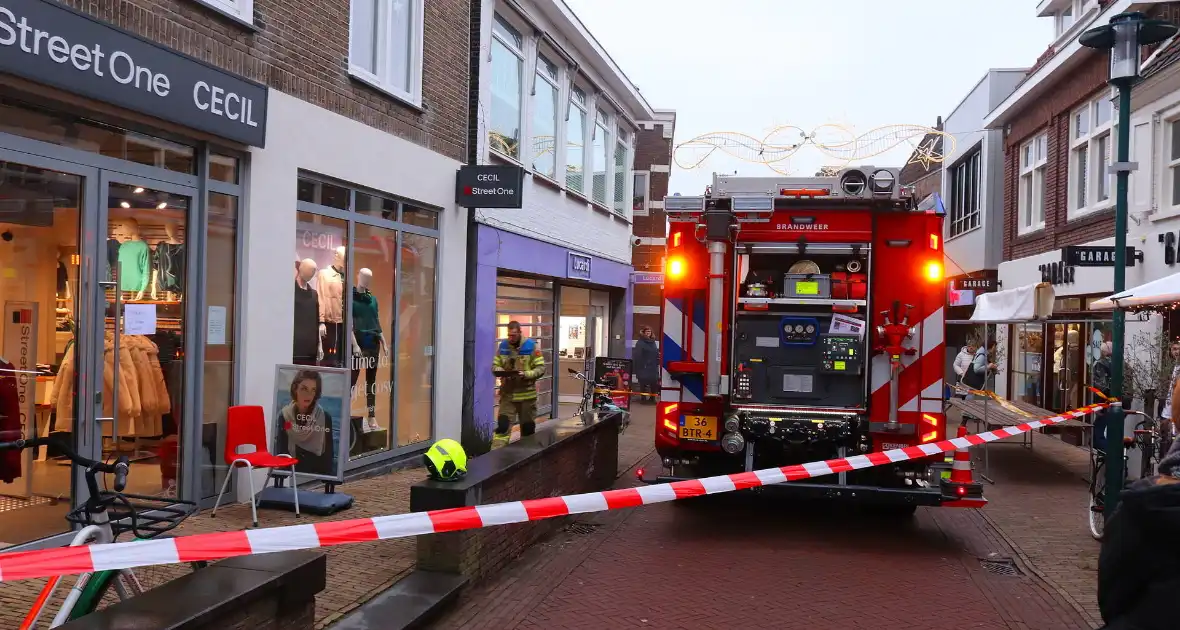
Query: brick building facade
[242,173]
[653,159]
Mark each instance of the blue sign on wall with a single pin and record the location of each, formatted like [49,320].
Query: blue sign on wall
[647,277]
[578,266]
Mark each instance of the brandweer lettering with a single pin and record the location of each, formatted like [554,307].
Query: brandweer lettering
[120,66]
[801,226]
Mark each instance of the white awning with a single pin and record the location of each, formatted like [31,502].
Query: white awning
[1022,304]
[1155,293]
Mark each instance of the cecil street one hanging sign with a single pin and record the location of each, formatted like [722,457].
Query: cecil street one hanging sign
[53,45]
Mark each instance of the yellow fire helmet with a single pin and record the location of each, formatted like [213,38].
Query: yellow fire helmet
[446,460]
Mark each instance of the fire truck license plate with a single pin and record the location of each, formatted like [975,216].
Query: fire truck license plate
[698,428]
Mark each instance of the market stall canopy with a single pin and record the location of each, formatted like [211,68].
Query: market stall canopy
[1022,304]
[1155,293]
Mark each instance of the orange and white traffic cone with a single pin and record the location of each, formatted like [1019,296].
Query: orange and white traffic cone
[961,490]
[961,466]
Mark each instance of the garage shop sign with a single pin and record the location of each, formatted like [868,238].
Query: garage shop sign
[52,44]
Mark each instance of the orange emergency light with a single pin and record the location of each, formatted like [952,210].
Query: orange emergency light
[932,271]
[676,267]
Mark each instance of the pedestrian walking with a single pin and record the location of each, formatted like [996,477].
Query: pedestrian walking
[646,359]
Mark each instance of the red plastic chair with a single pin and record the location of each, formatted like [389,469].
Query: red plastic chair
[245,445]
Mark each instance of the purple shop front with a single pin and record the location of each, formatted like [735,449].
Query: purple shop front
[513,253]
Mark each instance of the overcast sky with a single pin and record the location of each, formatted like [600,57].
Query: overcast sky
[751,65]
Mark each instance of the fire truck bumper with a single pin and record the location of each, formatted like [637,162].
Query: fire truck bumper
[935,496]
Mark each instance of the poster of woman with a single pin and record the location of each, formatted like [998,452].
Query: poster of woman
[310,404]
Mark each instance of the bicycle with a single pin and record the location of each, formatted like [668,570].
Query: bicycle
[596,399]
[106,515]
[1147,438]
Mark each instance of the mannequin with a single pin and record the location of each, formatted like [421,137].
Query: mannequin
[133,257]
[330,287]
[168,264]
[308,348]
[368,343]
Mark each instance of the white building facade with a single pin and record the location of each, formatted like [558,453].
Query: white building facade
[553,103]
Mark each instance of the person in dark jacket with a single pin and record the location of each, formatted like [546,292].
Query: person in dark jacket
[646,359]
[1139,565]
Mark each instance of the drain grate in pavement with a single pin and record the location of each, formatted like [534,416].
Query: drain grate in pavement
[582,529]
[1001,566]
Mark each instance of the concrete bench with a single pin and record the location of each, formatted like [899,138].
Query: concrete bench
[268,592]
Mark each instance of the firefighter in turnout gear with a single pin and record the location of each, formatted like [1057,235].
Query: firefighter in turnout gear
[519,364]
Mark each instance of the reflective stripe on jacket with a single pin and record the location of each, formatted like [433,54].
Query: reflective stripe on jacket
[528,359]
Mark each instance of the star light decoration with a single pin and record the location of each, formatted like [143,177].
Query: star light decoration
[833,140]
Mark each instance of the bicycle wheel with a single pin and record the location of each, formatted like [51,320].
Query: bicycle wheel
[1097,516]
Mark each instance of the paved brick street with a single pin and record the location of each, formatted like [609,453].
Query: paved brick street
[744,560]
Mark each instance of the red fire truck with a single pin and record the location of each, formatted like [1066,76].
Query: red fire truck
[803,321]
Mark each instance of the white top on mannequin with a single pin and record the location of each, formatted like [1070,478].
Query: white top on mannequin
[331,290]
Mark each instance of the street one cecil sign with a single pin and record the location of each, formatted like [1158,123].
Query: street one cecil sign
[51,44]
[489,186]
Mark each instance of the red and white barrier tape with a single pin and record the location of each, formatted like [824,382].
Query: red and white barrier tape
[71,560]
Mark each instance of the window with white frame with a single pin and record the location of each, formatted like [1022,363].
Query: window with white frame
[1172,160]
[1065,18]
[544,130]
[622,151]
[385,46]
[639,194]
[1091,133]
[504,126]
[575,141]
[965,177]
[240,9]
[1034,157]
[601,152]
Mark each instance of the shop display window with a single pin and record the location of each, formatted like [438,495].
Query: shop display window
[1025,364]
[367,303]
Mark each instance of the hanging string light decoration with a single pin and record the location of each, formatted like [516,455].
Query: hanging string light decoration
[835,141]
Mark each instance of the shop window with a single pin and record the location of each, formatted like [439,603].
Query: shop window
[601,151]
[220,311]
[375,206]
[530,302]
[223,168]
[507,72]
[421,217]
[1173,164]
[323,193]
[374,315]
[77,133]
[416,338]
[374,295]
[385,46]
[544,130]
[1028,349]
[321,279]
[575,141]
[146,255]
[40,226]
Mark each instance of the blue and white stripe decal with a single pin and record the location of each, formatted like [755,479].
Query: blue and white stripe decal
[698,331]
[687,388]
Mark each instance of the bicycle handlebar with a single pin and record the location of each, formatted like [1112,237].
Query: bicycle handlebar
[120,468]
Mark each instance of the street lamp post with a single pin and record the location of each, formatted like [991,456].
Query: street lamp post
[1123,37]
